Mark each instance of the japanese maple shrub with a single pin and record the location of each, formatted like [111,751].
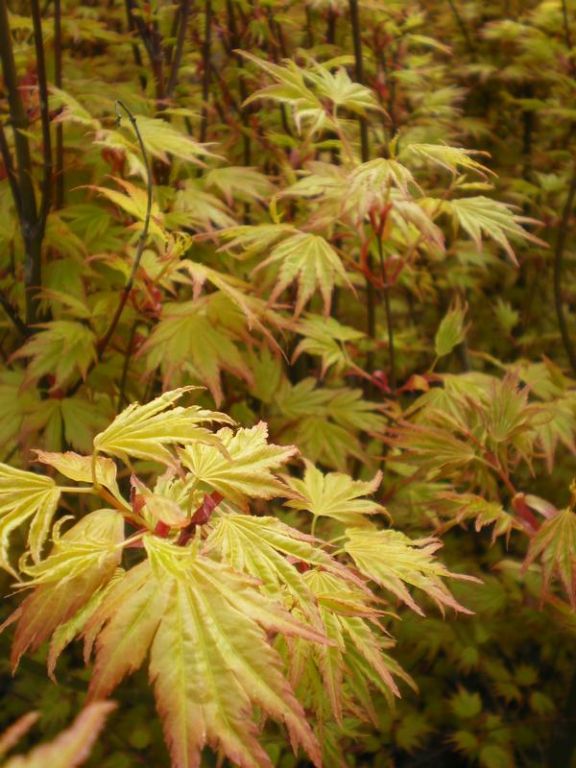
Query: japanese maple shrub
[241,616]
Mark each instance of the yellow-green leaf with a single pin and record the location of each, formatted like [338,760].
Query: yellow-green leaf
[335,495]
[394,561]
[25,495]
[246,468]
[143,431]
[312,262]
[451,332]
[211,659]
[84,469]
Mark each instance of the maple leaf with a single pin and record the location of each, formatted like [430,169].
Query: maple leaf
[459,507]
[194,207]
[240,183]
[322,421]
[555,545]
[25,495]
[325,337]
[64,349]
[236,290]
[134,202]
[255,238]
[173,345]
[246,467]
[70,748]
[161,139]
[291,88]
[143,431]
[268,549]
[72,419]
[341,91]
[356,652]
[451,331]
[335,495]
[482,216]
[450,158]
[210,659]
[82,560]
[312,262]
[84,469]
[393,560]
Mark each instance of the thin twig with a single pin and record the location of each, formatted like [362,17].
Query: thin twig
[365,155]
[104,341]
[125,366]
[388,311]
[135,48]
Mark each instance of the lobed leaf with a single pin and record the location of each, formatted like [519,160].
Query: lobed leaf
[143,431]
[335,495]
[393,560]
[211,661]
[244,469]
[25,495]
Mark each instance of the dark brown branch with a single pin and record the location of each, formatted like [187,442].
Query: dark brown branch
[462,25]
[46,199]
[183,15]
[126,366]
[135,48]
[31,233]
[365,155]
[563,230]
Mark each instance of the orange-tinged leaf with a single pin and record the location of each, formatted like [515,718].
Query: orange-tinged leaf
[555,545]
[70,748]
[84,558]
[14,733]
[211,660]
[125,623]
